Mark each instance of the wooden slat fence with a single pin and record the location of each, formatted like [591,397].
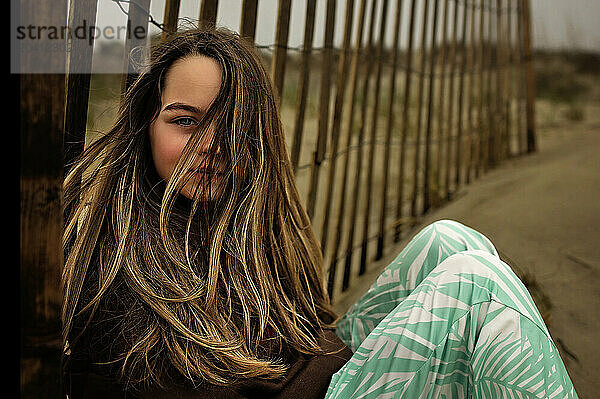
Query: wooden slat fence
[389,133]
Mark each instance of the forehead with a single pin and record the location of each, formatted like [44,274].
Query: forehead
[193,80]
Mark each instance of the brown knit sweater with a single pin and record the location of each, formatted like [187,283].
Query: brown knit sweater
[116,321]
[307,378]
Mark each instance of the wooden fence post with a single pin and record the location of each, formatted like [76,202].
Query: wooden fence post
[77,96]
[500,121]
[309,29]
[42,105]
[248,19]
[531,139]
[451,102]
[432,60]
[508,80]
[470,95]
[441,103]
[350,118]
[461,95]
[137,23]
[337,116]
[489,154]
[170,18]
[281,41]
[78,81]
[373,137]
[208,12]
[521,127]
[420,89]
[358,168]
[389,127]
[405,122]
[480,86]
[323,122]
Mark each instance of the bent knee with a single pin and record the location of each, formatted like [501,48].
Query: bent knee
[444,223]
[476,261]
[478,270]
[459,237]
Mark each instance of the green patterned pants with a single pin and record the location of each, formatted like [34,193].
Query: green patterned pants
[448,319]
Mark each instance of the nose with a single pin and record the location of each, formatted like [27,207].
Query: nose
[207,151]
[208,146]
[209,160]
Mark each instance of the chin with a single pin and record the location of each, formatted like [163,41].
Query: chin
[202,198]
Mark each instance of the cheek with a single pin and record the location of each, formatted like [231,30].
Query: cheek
[167,147]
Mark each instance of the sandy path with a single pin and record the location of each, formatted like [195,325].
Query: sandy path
[543,212]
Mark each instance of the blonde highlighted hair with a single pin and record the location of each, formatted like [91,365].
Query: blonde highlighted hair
[162,288]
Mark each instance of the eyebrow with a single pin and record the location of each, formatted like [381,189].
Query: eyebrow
[184,107]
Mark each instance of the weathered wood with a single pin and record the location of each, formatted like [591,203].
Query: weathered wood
[78,81]
[77,86]
[374,118]
[428,128]
[309,28]
[441,104]
[248,19]
[137,23]
[208,12]
[500,64]
[281,41]
[494,92]
[350,118]
[420,88]
[461,95]
[359,155]
[530,78]
[470,95]
[170,18]
[42,107]
[480,97]
[451,112]
[521,111]
[337,117]
[489,160]
[389,128]
[405,120]
[323,121]
[508,80]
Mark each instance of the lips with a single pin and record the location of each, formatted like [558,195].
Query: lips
[205,171]
[204,174]
[208,172]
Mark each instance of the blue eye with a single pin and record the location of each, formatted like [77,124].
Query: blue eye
[185,122]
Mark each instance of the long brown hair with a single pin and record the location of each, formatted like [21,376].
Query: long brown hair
[212,291]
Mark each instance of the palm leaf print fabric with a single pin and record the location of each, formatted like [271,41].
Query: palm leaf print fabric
[448,319]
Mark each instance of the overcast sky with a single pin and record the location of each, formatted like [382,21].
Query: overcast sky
[569,24]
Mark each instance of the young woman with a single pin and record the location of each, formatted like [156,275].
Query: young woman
[194,265]
[192,269]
